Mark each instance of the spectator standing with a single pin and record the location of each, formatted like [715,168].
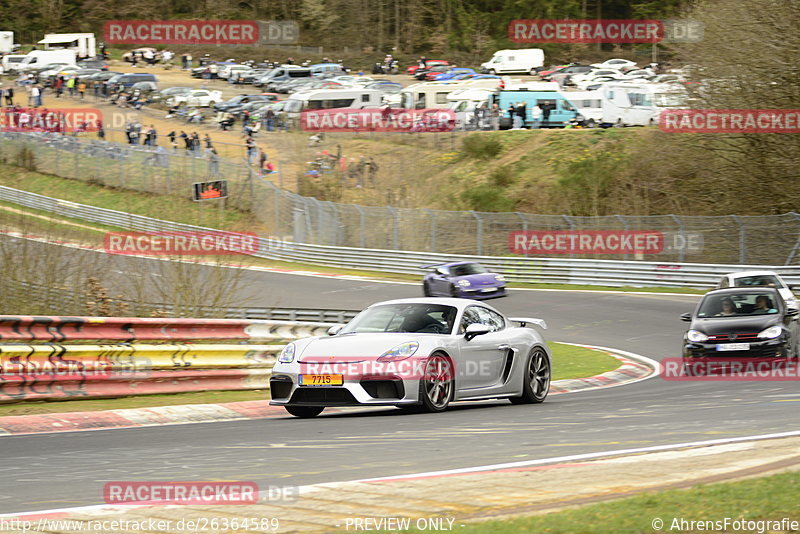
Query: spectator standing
[269,119]
[71,86]
[172,142]
[58,86]
[152,136]
[186,140]
[546,113]
[36,96]
[536,117]
[9,94]
[213,161]
[82,89]
[522,113]
[252,150]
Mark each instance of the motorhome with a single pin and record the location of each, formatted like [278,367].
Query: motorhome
[37,58]
[526,60]
[6,42]
[546,95]
[639,104]
[283,73]
[84,44]
[333,99]
[11,62]
[589,105]
[433,95]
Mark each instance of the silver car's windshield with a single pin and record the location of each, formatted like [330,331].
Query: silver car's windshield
[418,318]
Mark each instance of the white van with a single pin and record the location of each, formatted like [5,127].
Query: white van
[464,102]
[82,43]
[589,104]
[639,104]
[527,60]
[433,95]
[37,58]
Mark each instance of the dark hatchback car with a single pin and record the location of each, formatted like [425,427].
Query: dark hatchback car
[463,279]
[742,323]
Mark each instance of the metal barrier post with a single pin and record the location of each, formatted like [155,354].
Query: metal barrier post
[742,253]
[479,233]
[682,252]
[362,238]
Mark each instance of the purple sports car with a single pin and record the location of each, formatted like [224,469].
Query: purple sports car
[464,279]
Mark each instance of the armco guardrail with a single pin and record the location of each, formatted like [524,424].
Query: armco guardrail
[49,369]
[128,329]
[517,269]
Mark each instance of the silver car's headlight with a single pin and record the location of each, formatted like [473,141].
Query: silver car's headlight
[287,354]
[770,333]
[464,283]
[400,352]
[696,337]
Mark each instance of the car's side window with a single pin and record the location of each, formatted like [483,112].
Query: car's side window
[471,316]
[492,319]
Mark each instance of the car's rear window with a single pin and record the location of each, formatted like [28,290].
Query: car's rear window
[763,280]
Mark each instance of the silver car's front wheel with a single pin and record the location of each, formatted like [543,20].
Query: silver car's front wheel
[536,383]
[436,385]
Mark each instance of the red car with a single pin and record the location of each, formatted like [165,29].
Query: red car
[430,63]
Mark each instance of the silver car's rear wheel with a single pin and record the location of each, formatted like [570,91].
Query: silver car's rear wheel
[436,385]
[536,383]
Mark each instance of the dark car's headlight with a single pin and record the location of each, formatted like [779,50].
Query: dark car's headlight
[770,333]
[696,337]
[287,354]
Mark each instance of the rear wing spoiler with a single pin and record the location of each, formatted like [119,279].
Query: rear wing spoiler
[525,321]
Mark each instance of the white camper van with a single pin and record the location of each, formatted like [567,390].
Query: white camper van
[589,105]
[526,60]
[639,104]
[6,42]
[82,43]
[333,99]
[464,102]
[433,95]
[37,58]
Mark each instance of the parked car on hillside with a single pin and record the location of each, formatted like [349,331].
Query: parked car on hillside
[195,98]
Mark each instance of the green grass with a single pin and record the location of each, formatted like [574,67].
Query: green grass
[766,498]
[568,362]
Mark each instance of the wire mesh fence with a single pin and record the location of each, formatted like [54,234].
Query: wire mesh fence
[770,240]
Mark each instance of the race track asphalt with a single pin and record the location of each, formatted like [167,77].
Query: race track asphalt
[51,471]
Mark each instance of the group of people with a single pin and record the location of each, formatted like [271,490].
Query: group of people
[540,114]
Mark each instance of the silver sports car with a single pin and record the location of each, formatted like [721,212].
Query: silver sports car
[418,354]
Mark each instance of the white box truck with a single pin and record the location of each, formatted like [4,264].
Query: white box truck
[526,60]
[6,42]
[84,44]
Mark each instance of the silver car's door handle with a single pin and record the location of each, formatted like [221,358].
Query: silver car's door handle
[504,346]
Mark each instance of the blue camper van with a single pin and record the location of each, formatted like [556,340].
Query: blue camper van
[541,93]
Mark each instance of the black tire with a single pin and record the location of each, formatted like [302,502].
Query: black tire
[619,124]
[591,124]
[492,72]
[536,383]
[436,386]
[534,72]
[304,412]
[426,289]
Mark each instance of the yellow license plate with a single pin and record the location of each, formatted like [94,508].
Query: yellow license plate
[321,380]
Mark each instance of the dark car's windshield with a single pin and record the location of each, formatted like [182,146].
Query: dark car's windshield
[738,305]
[466,269]
[417,318]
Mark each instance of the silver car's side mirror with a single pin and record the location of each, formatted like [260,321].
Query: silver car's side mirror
[332,331]
[476,329]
